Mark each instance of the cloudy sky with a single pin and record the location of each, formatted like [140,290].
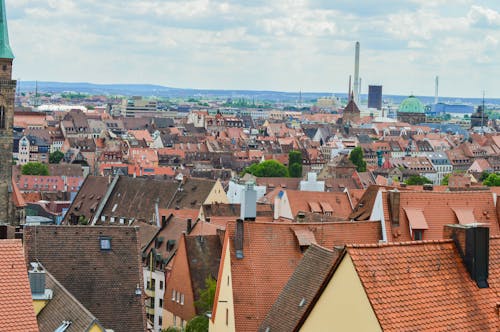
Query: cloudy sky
[285,45]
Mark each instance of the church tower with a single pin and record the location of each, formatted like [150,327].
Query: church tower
[7,95]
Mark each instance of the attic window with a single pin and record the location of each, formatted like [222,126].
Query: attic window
[105,243]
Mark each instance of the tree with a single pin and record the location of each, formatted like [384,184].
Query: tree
[445,179]
[56,157]
[268,168]
[197,324]
[35,168]
[356,157]
[493,180]
[295,164]
[207,295]
[417,180]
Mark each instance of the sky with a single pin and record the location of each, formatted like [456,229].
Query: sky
[282,45]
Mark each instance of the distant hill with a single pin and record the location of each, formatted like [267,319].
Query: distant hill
[149,90]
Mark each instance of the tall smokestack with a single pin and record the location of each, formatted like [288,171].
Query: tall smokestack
[356,74]
[436,90]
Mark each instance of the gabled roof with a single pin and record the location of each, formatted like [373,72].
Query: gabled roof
[300,289]
[135,198]
[271,253]
[303,200]
[419,286]
[104,281]
[16,306]
[63,307]
[440,209]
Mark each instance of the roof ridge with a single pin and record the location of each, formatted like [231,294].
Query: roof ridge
[396,244]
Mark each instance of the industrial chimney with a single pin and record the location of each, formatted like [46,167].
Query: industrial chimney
[436,90]
[356,75]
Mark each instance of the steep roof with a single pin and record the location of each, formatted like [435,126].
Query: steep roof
[5,50]
[271,253]
[300,289]
[104,281]
[440,209]
[16,306]
[63,307]
[339,201]
[204,254]
[88,198]
[421,286]
[135,198]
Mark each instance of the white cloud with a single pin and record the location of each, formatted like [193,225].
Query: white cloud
[282,45]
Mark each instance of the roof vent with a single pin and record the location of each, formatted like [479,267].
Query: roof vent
[302,302]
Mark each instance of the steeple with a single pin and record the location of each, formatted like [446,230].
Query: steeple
[5,50]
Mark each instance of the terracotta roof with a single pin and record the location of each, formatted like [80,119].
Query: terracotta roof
[74,257]
[63,307]
[256,285]
[300,289]
[302,200]
[439,208]
[16,305]
[421,286]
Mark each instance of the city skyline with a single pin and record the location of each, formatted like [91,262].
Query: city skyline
[283,46]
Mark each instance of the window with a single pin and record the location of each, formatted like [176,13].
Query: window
[105,243]
[227,316]
[160,303]
[173,295]
[178,298]
[182,299]
[175,320]
[161,284]
[418,234]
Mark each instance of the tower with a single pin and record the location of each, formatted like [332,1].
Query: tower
[7,96]
[436,90]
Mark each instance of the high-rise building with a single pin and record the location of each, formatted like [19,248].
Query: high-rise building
[375,96]
[7,96]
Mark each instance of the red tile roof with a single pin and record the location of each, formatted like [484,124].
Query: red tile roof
[438,210]
[425,286]
[16,305]
[306,201]
[271,253]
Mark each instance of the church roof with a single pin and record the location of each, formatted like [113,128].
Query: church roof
[5,50]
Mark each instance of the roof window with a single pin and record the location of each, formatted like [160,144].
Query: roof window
[105,243]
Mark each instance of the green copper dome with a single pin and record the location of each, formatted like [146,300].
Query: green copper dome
[411,105]
[5,50]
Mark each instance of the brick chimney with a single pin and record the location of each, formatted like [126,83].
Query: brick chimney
[473,244]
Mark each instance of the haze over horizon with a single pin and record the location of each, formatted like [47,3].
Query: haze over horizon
[280,46]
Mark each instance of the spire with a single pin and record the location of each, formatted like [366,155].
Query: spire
[5,50]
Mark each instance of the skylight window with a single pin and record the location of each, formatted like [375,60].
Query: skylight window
[105,243]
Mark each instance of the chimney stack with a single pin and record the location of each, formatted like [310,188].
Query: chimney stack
[37,279]
[473,244]
[238,239]
[249,202]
